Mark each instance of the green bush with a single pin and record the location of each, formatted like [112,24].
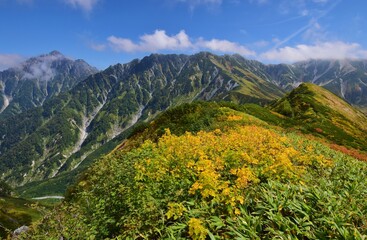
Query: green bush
[5,189]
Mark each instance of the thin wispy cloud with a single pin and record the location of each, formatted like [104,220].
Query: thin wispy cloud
[28,2]
[160,41]
[294,34]
[310,24]
[326,50]
[201,2]
[286,7]
[358,24]
[320,1]
[97,47]
[85,5]
[198,2]
[192,4]
[9,60]
[261,44]
[315,33]
[259,2]
[286,20]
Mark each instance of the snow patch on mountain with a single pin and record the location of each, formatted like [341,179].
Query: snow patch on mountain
[343,87]
[365,84]
[86,121]
[231,85]
[7,100]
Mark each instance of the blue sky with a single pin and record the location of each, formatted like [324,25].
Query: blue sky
[106,32]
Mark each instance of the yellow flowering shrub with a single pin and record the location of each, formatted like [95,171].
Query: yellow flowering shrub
[196,229]
[175,210]
[216,167]
[234,118]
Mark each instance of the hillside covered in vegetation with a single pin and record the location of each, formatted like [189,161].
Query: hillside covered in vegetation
[15,212]
[213,171]
[322,113]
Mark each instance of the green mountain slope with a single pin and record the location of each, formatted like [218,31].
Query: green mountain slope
[38,79]
[345,78]
[216,173]
[57,137]
[318,111]
[63,137]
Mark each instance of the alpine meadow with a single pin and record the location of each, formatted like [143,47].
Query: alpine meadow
[188,119]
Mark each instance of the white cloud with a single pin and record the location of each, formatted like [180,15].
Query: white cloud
[224,46]
[123,44]
[41,67]
[160,41]
[9,60]
[85,5]
[326,50]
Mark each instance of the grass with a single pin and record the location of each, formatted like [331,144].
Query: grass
[14,213]
[314,110]
[218,174]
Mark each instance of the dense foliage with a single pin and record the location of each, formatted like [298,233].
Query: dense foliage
[239,179]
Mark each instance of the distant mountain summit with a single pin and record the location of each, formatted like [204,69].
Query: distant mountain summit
[39,78]
[345,78]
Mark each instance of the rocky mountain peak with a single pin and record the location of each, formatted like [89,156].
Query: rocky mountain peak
[55,53]
[39,78]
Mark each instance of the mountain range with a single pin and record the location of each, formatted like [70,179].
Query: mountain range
[57,113]
[345,78]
